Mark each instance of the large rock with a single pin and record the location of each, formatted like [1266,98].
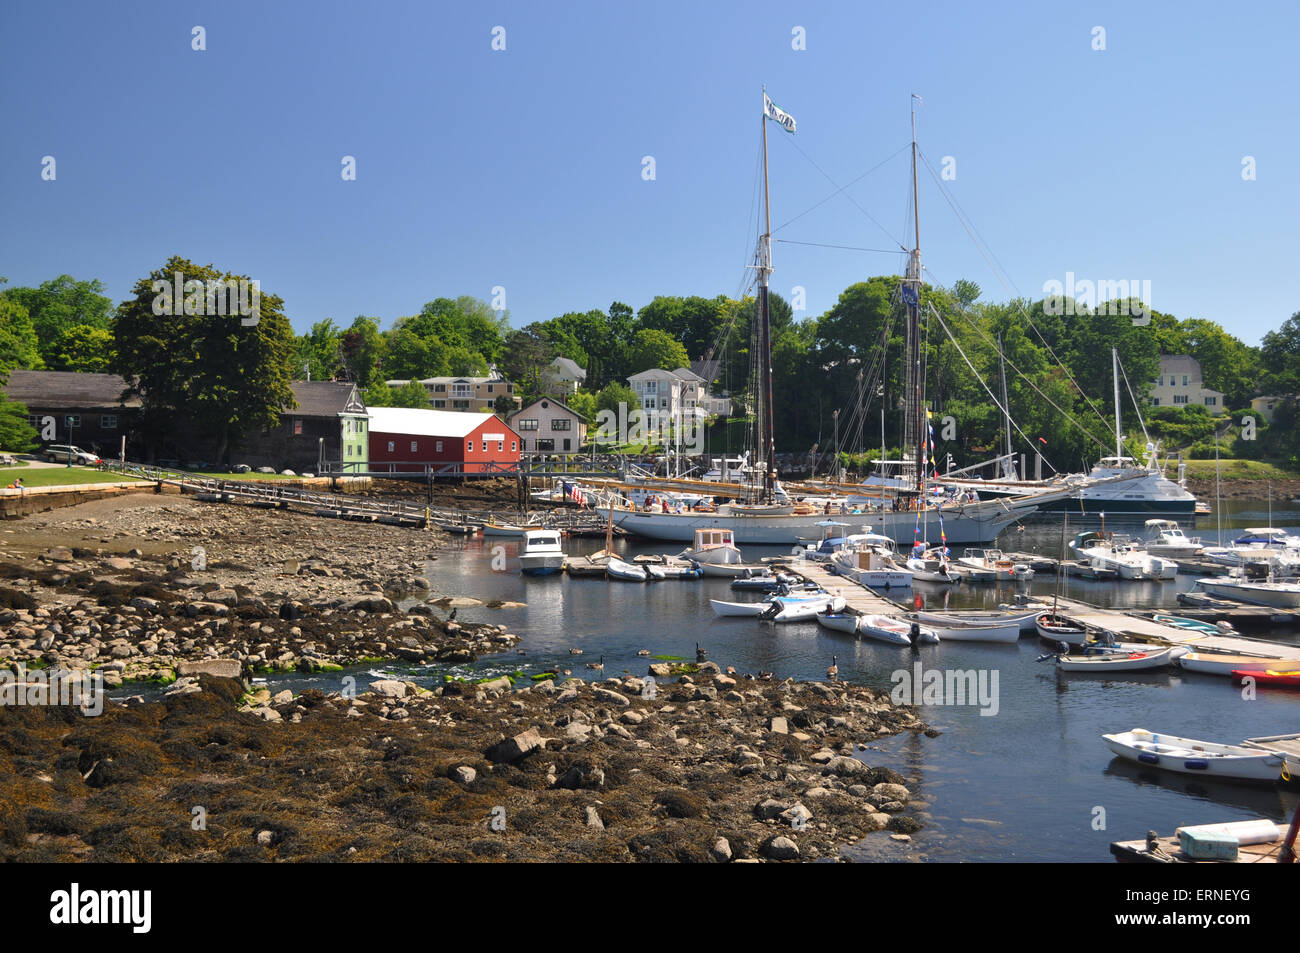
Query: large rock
[517,748]
[389,688]
[781,848]
[581,776]
[846,767]
[220,667]
[883,793]
[605,695]
[721,850]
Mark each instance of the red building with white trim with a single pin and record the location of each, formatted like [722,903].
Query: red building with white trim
[405,440]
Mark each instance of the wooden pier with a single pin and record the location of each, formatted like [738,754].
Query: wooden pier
[1122,623]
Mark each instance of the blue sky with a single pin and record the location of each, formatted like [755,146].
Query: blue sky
[522,168]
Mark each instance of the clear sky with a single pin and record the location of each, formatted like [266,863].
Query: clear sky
[523,168]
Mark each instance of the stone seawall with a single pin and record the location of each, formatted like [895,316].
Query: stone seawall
[15,504]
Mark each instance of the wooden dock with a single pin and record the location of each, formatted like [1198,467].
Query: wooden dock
[1166,850]
[869,601]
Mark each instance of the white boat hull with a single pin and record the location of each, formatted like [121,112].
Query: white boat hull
[1278,595]
[542,564]
[1116,661]
[972,523]
[1208,663]
[954,630]
[838,623]
[738,609]
[1188,756]
[894,631]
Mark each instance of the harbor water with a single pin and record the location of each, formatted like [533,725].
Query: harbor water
[1018,772]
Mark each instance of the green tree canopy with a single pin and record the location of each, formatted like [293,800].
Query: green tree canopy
[225,375]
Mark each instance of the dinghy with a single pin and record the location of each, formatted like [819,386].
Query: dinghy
[1053,627]
[616,568]
[1136,661]
[838,621]
[954,629]
[1209,663]
[883,628]
[738,609]
[802,608]
[1188,756]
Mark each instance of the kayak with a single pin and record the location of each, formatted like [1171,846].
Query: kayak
[1270,677]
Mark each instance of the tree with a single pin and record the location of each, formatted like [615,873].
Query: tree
[62,303]
[18,344]
[16,434]
[1280,354]
[360,350]
[653,348]
[84,348]
[227,376]
[613,394]
[410,394]
[317,352]
[526,354]
[583,403]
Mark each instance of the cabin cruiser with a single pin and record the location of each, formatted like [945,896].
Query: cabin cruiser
[1115,552]
[1169,540]
[713,546]
[1255,546]
[870,559]
[540,553]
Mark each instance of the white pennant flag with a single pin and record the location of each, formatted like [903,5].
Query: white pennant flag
[773,111]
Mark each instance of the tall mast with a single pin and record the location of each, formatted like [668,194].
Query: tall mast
[914,407]
[767,445]
[1006,407]
[1119,437]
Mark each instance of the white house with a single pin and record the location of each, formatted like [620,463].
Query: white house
[676,395]
[1180,383]
[564,376]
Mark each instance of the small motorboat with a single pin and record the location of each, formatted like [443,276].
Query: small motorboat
[1273,678]
[764,583]
[492,528]
[801,608]
[1188,756]
[616,568]
[955,629]
[838,621]
[1209,663]
[1053,627]
[1115,661]
[885,628]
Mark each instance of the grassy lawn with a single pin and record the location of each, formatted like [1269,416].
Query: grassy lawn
[58,476]
[1239,470]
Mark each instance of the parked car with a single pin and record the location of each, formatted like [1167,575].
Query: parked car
[61,452]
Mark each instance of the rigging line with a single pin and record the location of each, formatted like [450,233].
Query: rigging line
[1005,411]
[883,251]
[849,184]
[1000,273]
[826,175]
[980,331]
[1146,436]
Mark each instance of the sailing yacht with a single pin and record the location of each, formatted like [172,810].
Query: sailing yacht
[965,522]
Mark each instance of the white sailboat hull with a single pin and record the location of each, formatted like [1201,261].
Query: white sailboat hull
[973,523]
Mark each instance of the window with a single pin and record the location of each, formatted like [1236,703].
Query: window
[72,420]
[297,426]
[1211,401]
[530,424]
[1155,401]
[439,403]
[510,388]
[460,404]
[489,388]
[1180,398]
[545,444]
[469,446]
[392,446]
[347,450]
[1184,380]
[437,446]
[414,446]
[512,446]
[501,446]
[565,424]
[34,420]
[108,422]
[566,443]
[440,388]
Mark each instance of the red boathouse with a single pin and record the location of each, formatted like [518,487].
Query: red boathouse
[405,440]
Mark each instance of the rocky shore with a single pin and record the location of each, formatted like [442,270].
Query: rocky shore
[702,766]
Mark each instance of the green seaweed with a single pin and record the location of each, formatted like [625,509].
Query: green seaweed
[670,658]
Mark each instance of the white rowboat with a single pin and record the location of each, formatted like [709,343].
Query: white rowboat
[1188,756]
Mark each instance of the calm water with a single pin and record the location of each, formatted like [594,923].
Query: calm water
[1028,783]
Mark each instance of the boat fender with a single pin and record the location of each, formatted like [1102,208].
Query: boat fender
[1196,764]
[1147,758]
